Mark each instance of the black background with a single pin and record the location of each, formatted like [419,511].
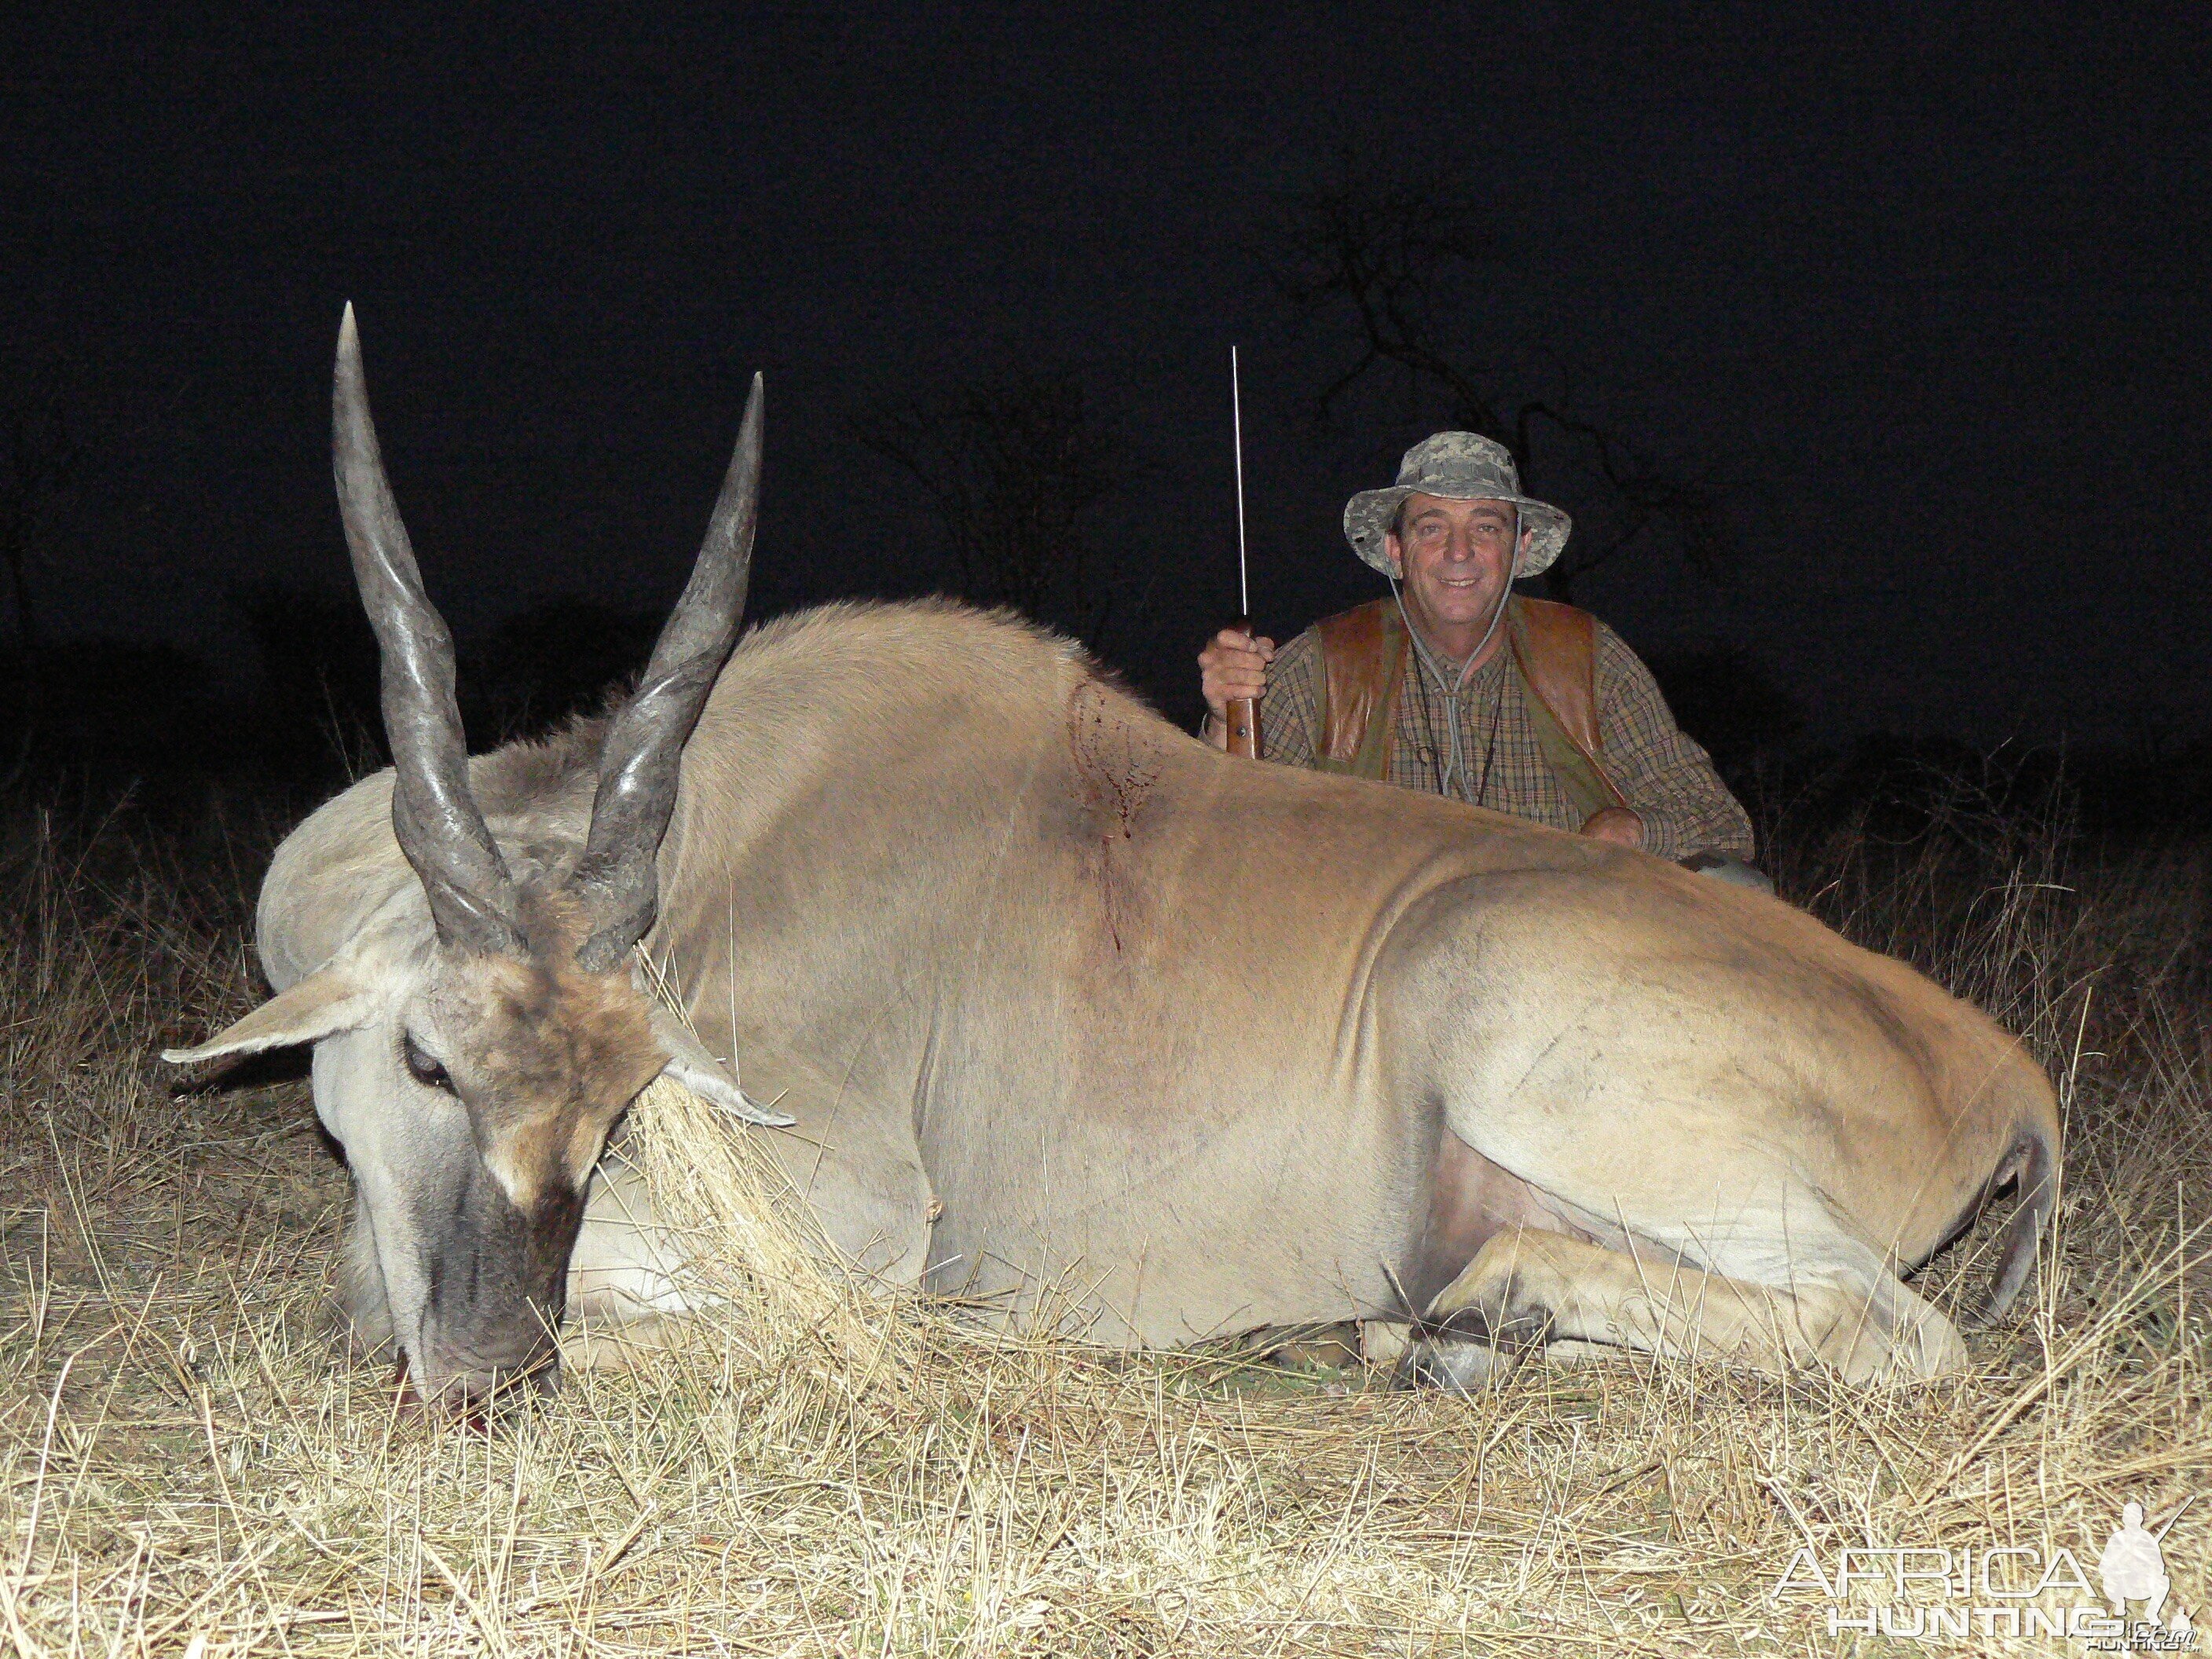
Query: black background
[1925,284]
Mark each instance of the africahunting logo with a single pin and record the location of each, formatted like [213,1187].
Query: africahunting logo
[1931,1593]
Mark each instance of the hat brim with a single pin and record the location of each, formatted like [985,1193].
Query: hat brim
[1367,519]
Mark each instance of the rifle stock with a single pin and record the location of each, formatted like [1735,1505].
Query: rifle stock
[1243,715]
[1244,727]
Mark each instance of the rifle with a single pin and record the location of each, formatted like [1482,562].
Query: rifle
[1243,713]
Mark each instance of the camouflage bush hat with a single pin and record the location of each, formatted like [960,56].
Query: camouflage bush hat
[1461,466]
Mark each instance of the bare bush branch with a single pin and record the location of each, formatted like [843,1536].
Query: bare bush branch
[1402,263]
[1013,467]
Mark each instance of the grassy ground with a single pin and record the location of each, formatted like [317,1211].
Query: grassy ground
[189,1464]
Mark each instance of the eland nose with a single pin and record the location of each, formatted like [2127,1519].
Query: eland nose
[465,1384]
[469,1362]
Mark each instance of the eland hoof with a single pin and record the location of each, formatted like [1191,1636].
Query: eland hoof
[1455,1363]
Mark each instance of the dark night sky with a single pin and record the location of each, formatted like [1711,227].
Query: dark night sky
[1928,282]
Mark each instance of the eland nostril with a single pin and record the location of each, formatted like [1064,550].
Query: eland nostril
[472,1373]
[467,1394]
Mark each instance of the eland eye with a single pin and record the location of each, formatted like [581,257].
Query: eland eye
[423,1069]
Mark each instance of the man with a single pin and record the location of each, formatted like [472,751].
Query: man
[1457,686]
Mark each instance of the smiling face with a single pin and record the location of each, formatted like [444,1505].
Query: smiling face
[1456,560]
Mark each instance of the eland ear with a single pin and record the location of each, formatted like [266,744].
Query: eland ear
[690,1064]
[318,1006]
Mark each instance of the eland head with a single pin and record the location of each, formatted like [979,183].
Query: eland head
[477,1037]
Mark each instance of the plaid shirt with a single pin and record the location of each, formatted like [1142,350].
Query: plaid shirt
[1666,776]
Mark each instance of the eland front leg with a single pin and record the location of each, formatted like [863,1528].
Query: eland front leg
[625,1293]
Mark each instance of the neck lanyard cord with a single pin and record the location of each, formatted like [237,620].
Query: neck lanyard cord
[1451,690]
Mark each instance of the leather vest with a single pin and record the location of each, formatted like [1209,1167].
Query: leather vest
[1365,654]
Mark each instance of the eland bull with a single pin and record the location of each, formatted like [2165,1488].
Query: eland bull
[1067,1009]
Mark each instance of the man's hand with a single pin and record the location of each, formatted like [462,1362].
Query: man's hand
[1615,823]
[1233,665]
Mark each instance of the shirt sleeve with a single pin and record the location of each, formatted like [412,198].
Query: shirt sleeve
[1667,777]
[1290,706]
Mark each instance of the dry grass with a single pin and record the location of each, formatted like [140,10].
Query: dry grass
[188,1465]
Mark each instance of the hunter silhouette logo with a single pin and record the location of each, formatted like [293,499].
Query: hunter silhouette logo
[2133,1568]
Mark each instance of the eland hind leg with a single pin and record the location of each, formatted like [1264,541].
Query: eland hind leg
[1529,1288]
